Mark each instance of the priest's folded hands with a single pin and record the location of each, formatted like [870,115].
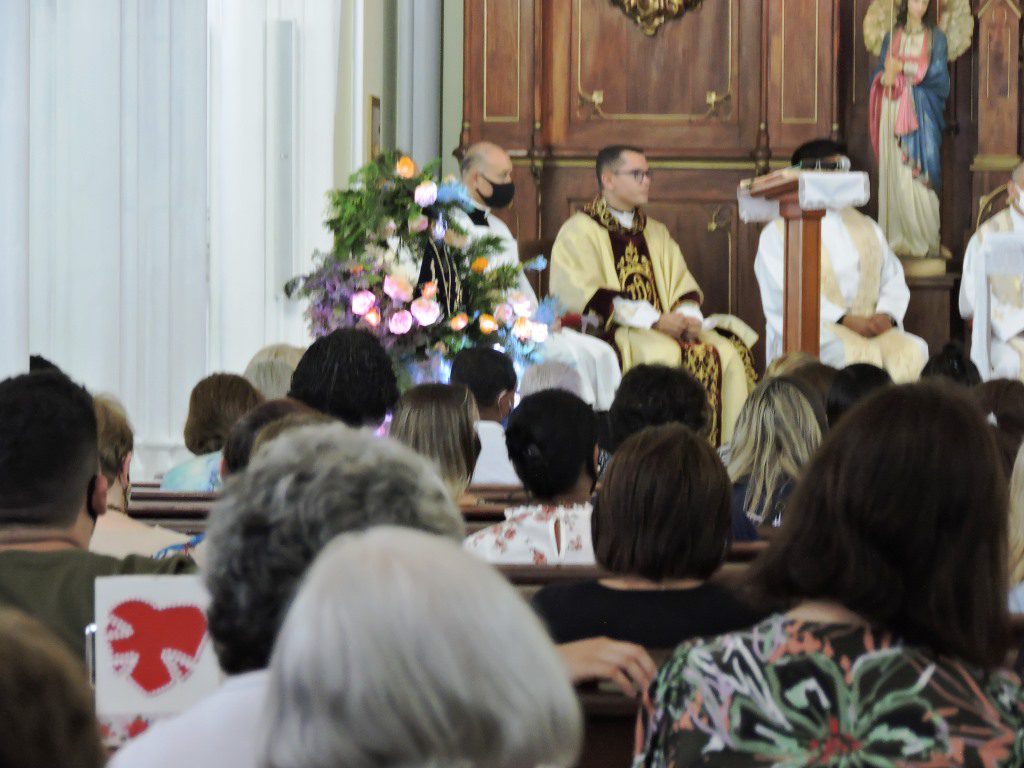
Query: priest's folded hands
[678,326]
[869,326]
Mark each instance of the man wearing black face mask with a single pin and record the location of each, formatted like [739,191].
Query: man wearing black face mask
[487,175]
[51,493]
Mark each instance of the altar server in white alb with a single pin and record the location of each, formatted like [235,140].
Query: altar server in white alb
[1006,300]
[487,175]
[864,295]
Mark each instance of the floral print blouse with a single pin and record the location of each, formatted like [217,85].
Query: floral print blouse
[537,535]
[792,693]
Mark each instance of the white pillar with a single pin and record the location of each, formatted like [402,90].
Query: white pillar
[14,161]
[418,111]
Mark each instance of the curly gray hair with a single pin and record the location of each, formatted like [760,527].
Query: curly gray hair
[433,661]
[304,488]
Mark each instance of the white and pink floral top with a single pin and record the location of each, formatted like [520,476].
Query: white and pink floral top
[537,535]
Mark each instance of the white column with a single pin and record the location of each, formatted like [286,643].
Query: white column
[14,181]
[418,108]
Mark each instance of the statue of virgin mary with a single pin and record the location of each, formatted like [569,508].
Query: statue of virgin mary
[909,90]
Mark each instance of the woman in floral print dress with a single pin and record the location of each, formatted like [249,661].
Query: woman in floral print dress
[889,575]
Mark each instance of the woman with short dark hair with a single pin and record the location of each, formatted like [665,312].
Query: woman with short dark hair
[551,439]
[890,578]
[661,527]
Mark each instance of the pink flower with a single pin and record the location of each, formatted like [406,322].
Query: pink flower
[425,194]
[400,322]
[504,314]
[398,288]
[426,311]
[362,302]
[418,223]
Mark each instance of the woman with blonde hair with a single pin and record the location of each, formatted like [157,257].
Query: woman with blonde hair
[438,422]
[776,433]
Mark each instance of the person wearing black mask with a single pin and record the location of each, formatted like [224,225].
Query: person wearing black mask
[487,175]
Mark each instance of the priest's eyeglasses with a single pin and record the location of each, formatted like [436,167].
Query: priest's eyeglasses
[638,175]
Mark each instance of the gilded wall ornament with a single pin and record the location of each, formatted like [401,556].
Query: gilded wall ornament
[649,15]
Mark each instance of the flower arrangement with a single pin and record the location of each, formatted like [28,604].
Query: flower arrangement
[392,216]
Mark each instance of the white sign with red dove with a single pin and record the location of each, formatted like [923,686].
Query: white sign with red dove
[153,657]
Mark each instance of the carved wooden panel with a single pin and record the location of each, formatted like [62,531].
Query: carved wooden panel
[801,91]
[998,76]
[498,90]
[691,88]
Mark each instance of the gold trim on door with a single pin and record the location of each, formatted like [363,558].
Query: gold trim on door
[519,66]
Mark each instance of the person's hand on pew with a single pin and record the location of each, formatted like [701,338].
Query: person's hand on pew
[628,666]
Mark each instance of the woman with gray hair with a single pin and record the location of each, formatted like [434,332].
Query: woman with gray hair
[302,489]
[397,673]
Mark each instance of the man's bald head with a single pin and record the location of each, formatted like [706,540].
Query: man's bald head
[484,166]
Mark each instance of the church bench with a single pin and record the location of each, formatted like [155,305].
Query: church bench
[609,728]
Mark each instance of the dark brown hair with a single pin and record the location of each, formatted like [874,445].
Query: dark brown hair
[238,447]
[216,403]
[901,517]
[663,511]
[46,705]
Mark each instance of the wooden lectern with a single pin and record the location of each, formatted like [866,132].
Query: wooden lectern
[801,317]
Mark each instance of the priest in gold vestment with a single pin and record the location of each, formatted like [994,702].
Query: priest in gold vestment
[612,261]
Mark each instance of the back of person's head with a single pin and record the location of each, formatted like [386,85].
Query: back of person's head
[776,434]
[815,380]
[551,375]
[216,403]
[38,364]
[48,450]
[486,372]
[46,704]
[300,491]
[348,375]
[901,516]
[439,421]
[785,364]
[270,370]
[239,445]
[114,436]
[434,660]
[1002,400]
[810,153]
[551,438]
[651,395]
[663,511]
[275,429]
[951,362]
[852,384]
[1016,547]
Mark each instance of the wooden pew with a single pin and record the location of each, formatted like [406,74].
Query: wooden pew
[187,512]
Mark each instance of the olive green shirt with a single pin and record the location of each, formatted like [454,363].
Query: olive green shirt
[58,587]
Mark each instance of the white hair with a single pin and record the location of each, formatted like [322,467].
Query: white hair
[403,650]
[551,375]
[271,369]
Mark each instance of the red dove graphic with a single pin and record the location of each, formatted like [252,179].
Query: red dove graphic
[157,647]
